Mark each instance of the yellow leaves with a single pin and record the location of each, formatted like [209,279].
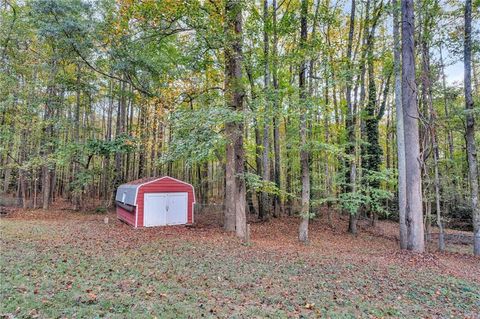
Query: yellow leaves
[309,306]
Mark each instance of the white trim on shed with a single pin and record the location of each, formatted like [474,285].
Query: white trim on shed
[128,193]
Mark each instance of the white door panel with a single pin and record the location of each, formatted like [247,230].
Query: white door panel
[155,213]
[165,209]
[177,208]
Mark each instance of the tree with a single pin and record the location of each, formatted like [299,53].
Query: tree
[304,153]
[235,192]
[142,88]
[470,128]
[350,123]
[276,130]
[414,205]
[372,152]
[400,128]
[266,123]
[431,132]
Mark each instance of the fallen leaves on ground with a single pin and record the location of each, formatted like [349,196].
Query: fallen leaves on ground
[63,264]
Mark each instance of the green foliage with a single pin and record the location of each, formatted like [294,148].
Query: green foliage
[198,134]
[257,184]
[372,190]
[101,210]
[163,62]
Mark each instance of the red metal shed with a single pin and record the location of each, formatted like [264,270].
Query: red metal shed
[155,201]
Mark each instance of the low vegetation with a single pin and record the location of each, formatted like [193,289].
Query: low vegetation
[60,264]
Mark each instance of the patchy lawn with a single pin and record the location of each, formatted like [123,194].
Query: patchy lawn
[62,264]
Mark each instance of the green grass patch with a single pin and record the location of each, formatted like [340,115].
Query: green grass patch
[172,278]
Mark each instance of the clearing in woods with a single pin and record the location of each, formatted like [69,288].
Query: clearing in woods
[64,264]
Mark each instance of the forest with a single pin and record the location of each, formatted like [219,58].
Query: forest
[355,114]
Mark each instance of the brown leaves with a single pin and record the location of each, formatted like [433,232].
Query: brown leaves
[92,297]
[208,270]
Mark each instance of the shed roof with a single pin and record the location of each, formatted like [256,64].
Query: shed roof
[127,193]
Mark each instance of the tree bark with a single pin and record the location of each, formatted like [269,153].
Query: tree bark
[402,201]
[120,129]
[350,123]
[304,153]
[470,129]
[266,115]
[258,140]
[235,201]
[47,149]
[414,207]
[76,194]
[276,131]
[428,100]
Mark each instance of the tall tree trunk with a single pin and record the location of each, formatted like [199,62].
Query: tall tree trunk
[451,150]
[235,203]
[108,137]
[445,105]
[7,174]
[76,192]
[371,151]
[350,123]
[258,140]
[402,200]
[441,233]
[470,129]
[47,149]
[428,100]
[266,115]
[414,220]
[143,138]
[288,173]
[21,171]
[304,153]
[278,208]
[120,129]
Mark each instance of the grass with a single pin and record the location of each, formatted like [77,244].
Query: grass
[83,268]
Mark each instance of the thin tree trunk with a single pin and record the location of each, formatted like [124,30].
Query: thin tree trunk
[470,129]
[441,233]
[304,153]
[120,129]
[427,96]
[276,132]
[266,116]
[402,201]
[451,165]
[143,137]
[8,174]
[445,105]
[350,124]
[288,173]
[47,135]
[76,193]
[258,141]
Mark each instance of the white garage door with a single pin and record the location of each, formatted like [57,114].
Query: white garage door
[165,209]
